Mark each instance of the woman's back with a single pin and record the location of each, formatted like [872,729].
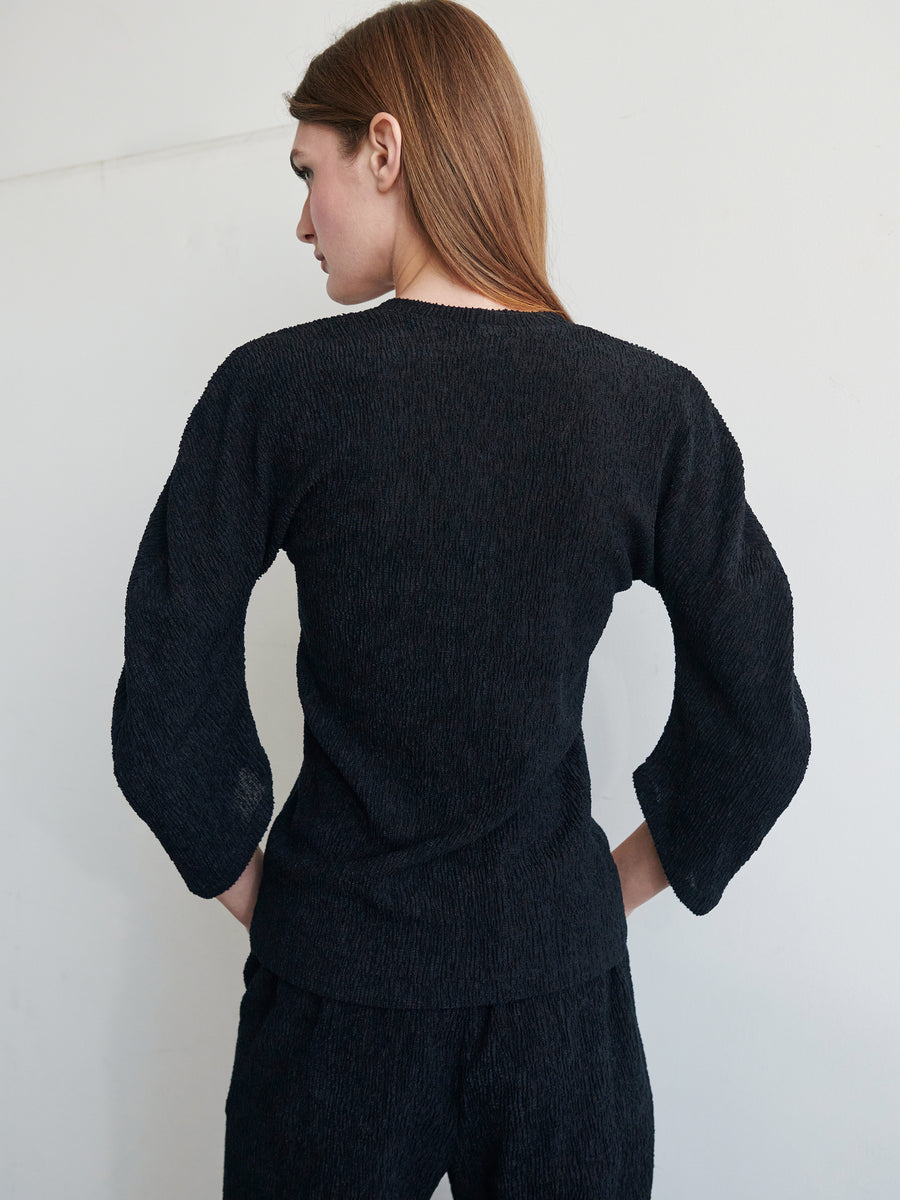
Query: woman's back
[462,492]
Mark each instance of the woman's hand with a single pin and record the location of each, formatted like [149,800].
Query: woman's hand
[640,871]
[240,898]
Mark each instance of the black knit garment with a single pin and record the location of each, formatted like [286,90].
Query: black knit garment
[462,492]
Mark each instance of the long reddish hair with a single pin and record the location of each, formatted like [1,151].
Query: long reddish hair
[471,164]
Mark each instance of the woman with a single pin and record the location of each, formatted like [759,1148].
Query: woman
[463,479]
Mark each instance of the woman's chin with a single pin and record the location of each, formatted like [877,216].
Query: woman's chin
[359,293]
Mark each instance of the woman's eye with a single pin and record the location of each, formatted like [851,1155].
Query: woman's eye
[304,174]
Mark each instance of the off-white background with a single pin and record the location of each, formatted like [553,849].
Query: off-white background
[723,188]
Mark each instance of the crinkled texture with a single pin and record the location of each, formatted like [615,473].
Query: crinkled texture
[735,747]
[462,493]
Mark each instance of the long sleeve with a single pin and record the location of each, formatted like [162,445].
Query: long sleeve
[186,753]
[737,741]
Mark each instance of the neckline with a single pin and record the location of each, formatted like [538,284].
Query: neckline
[468,312]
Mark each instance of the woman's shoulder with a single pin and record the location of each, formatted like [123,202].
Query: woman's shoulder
[645,363]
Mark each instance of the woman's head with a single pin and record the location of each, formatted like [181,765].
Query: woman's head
[418,114]
[355,214]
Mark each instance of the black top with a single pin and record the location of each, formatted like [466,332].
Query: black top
[462,493]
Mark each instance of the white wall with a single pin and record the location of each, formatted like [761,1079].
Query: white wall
[723,187]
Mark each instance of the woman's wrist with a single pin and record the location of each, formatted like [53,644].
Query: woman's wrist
[640,870]
[240,898]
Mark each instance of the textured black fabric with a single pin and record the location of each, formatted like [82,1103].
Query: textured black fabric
[548,1096]
[462,492]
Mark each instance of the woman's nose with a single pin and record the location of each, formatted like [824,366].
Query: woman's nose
[305,231]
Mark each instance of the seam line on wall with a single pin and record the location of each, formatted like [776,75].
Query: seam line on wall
[158,152]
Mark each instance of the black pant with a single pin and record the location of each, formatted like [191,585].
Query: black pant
[546,1098]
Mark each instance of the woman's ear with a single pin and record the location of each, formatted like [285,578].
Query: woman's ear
[384,146]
